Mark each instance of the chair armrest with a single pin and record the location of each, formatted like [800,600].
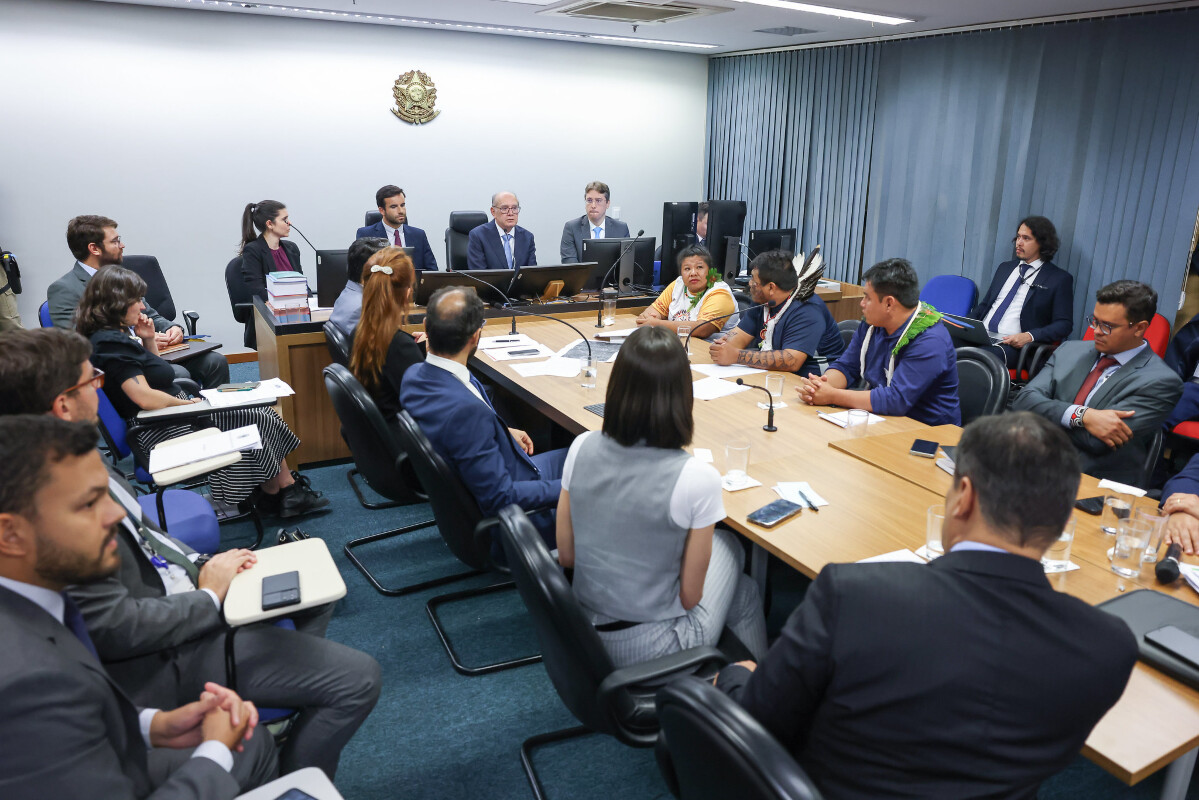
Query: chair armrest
[660,667]
[189,387]
[192,319]
[1038,358]
[174,414]
[242,312]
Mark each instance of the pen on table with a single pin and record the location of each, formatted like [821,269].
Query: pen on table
[803,495]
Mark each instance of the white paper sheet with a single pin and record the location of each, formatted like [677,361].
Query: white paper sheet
[789,491]
[505,342]
[703,454]
[841,418]
[717,371]
[894,555]
[1122,488]
[167,456]
[712,388]
[747,483]
[557,367]
[506,354]
[268,390]
[623,333]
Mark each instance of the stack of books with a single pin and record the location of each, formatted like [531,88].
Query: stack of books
[286,292]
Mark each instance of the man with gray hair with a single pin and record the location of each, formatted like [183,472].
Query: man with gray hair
[501,243]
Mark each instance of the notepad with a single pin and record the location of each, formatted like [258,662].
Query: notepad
[841,418]
[712,388]
[167,456]
[718,371]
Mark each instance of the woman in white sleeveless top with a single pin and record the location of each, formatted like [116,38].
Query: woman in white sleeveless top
[698,294]
[637,514]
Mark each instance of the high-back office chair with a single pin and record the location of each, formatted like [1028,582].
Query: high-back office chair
[1158,335]
[372,217]
[338,343]
[848,327]
[983,383]
[461,224]
[618,702]
[710,747]
[158,294]
[43,315]
[951,294]
[241,300]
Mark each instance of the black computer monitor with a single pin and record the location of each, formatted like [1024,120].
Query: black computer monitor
[726,221]
[332,273]
[531,281]
[764,241]
[637,269]
[678,231]
[483,281]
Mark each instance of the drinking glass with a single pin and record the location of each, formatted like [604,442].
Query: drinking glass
[858,422]
[1057,556]
[590,371]
[1149,514]
[736,455]
[1132,536]
[932,534]
[774,385]
[609,312]
[1116,507]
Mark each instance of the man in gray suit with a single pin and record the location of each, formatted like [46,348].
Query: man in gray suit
[94,242]
[1112,394]
[157,622]
[67,729]
[595,224]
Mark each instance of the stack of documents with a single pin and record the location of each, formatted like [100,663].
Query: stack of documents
[614,336]
[267,390]
[168,456]
[286,291]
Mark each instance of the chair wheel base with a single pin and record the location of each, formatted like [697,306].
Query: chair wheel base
[461,668]
[533,742]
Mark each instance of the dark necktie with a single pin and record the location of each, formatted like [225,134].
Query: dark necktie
[1093,378]
[72,618]
[1002,308]
[398,242]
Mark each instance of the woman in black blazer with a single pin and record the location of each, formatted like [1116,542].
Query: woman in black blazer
[266,251]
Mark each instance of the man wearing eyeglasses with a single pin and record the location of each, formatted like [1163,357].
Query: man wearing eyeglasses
[1112,394]
[595,224]
[501,243]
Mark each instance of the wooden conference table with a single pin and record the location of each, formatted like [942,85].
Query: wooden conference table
[878,500]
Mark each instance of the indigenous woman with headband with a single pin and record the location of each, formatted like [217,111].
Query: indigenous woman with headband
[697,294]
[901,350]
[382,352]
[789,329]
[266,251]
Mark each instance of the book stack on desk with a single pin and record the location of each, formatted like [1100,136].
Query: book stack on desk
[287,293]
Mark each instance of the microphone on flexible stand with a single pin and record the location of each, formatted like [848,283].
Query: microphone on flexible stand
[687,342]
[310,244]
[769,426]
[502,294]
[599,312]
[1167,569]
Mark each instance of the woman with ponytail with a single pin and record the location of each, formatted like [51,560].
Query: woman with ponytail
[382,352]
[266,251]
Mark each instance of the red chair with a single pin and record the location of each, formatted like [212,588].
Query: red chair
[1158,335]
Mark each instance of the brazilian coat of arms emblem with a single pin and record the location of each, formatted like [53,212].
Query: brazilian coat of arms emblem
[415,97]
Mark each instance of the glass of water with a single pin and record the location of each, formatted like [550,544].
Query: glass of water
[609,311]
[1149,514]
[932,533]
[1057,556]
[774,385]
[736,456]
[590,371]
[857,421]
[1132,537]
[1116,507]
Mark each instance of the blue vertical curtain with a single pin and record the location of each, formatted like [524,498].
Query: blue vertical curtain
[934,148]
[790,134]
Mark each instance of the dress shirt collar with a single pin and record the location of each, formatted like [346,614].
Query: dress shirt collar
[353,288]
[602,225]
[502,233]
[451,366]
[47,599]
[1128,355]
[1036,265]
[972,545]
[91,272]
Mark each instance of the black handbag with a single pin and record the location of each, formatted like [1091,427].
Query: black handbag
[12,273]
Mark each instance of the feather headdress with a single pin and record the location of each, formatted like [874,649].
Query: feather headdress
[809,270]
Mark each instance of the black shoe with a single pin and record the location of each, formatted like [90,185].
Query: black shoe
[266,504]
[300,498]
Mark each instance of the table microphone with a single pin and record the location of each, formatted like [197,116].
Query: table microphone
[502,293]
[1167,569]
[514,311]
[599,312]
[310,244]
[769,426]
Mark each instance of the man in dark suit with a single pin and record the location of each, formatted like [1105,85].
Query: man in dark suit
[1030,299]
[94,242]
[1112,394]
[68,730]
[595,224]
[157,622]
[394,227]
[966,677]
[501,243]
[495,462]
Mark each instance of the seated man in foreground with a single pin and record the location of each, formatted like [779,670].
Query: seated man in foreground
[1112,394]
[450,405]
[966,677]
[901,350]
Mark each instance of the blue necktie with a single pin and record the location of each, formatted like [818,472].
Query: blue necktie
[508,250]
[72,618]
[599,232]
[1007,301]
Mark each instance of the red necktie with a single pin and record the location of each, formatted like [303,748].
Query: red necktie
[398,242]
[1093,378]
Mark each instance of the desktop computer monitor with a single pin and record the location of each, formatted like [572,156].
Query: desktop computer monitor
[332,272]
[726,221]
[531,281]
[764,241]
[678,231]
[490,284]
[636,270]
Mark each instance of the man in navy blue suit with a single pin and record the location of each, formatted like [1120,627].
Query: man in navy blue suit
[1030,298]
[501,243]
[495,462]
[394,227]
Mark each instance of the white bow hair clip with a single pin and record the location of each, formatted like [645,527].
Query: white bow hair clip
[384,270]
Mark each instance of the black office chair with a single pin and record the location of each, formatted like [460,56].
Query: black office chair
[241,300]
[744,301]
[338,343]
[848,328]
[158,294]
[461,224]
[711,748]
[618,702]
[983,383]
[372,217]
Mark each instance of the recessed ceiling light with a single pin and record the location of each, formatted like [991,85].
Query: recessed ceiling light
[882,19]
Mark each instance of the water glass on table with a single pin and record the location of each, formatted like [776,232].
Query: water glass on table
[1057,555]
[932,534]
[684,331]
[609,311]
[1132,537]
[590,371]
[1116,508]
[857,422]
[1148,513]
[774,385]
[736,459]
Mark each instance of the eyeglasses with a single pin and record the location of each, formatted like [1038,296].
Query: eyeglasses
[1105,327]
[115,241]
[97,381]
[508,209]
[595,201]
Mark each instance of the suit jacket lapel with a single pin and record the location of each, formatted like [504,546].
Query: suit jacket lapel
[1077,374]
[1120,377]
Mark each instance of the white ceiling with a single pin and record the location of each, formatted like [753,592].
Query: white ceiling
[734,29]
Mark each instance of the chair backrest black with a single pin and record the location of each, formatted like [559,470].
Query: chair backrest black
[461,224]
[454,507]
[372,217]
[574,656]
[983,383]
[241,300]
[743,301]
[372,443]
[848,327]
[158,294]
[716,749]
[339,344]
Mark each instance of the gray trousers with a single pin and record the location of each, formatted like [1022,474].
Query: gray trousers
[257,764]
[210,369]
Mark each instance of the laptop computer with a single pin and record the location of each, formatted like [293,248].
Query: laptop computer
[965,330]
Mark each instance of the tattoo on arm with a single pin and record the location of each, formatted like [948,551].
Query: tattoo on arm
[782,360]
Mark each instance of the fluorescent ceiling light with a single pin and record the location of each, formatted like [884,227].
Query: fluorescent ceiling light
[829,11]
[387,19]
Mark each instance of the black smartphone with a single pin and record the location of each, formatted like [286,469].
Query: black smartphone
[924,448]
[772,514]
[532,351]
[1176,642]
[280,590]
[1090,505]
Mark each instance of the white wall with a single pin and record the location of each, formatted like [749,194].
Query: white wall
[170,121]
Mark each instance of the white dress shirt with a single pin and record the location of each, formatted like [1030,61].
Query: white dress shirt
[1010,324]
[459,371]
[603,226]
[391,234]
